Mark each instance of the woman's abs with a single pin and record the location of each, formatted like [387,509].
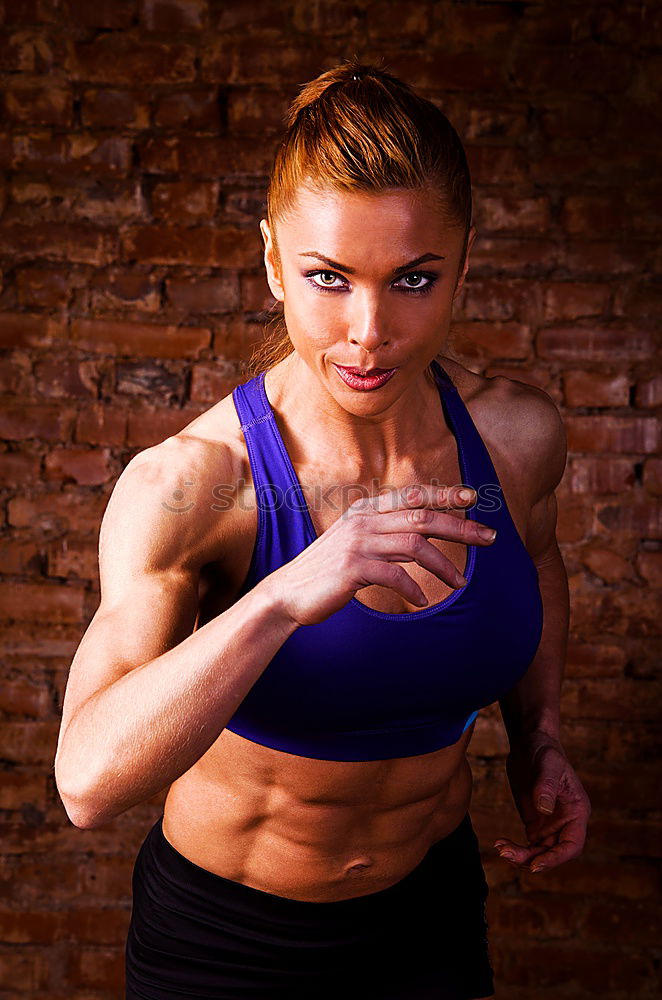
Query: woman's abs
[314,830]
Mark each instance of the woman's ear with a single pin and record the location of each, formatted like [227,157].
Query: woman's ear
[272,262]
[470,241]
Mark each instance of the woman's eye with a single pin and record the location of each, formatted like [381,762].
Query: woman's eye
[417,277]
[325,274]
[327,279]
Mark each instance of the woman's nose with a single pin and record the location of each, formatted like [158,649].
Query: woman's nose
[367,328]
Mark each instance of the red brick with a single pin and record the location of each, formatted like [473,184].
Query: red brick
[649,565]
[23,697]
[500,340]
[15,374]
[609,566]
[20,556]
[212,382]
[233,337]
[481,121]
[151,340]
[622,925]
[501,165]
[118,59]
[563,119]
[58,513]
[101,424]
[653,476]
[18,468]
[537,915]
[507,213]
[197,247]
[574,520]
[67,378]
[39,104]
[174,15]
[202,156]
[27,601]
[102,14]
[598,257]
[75,557]
[255,294]
[615,434]
[19,422]
[572,299]
[84,466]
[64,153]
[96,968]
[107,200]
[639,517]
[27,971]
[496,299]
[210,295]
[599,699]
[639,301]
[44,287]
[571,68]
[586,659]
[121,290]
[77,244]
[588,343]
[148,426]
[601,214]
[185,200]
[597,971]
[189,109]
[30,330]
[252,112]
[596,474]
[625,836]
[106,108]
[19,788]
[649,392]
[585,388]
[508,256]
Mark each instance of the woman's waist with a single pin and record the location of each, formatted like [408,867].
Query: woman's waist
[316,851]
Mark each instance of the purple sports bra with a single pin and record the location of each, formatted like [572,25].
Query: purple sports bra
[366,684]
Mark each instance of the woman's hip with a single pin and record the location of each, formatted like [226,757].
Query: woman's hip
[201,935]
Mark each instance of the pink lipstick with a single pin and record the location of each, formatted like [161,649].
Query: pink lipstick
[374,378]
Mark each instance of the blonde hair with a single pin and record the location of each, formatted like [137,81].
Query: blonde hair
[358,128]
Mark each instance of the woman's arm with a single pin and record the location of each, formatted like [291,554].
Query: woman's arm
[533,704]
[547,792]
[146,695]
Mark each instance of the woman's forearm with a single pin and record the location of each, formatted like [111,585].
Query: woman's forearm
[135,737]
[534,702]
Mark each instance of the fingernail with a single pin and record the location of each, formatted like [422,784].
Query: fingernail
[545,804]
[488,533]
[465,494]
[506,854]
[538,868]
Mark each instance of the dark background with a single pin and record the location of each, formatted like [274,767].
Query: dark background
[136,143]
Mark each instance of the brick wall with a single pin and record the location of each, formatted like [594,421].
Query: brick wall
[134,155]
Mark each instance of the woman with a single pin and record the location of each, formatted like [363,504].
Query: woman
[316,840]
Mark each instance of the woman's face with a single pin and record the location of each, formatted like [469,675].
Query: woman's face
[355,289]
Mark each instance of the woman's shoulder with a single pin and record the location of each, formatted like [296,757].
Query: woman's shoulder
[519,420]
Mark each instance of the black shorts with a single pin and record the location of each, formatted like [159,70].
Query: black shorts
[195,934]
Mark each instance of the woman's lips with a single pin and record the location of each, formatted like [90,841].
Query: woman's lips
[365,383]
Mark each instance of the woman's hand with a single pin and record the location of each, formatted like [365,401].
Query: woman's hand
[551,801]
[366,543]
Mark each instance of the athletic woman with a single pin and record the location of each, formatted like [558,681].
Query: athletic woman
[302,612]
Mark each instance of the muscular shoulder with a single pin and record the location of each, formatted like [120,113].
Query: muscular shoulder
[175,491]
[519,422]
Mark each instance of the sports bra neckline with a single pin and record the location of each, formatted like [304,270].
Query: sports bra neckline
[444,383]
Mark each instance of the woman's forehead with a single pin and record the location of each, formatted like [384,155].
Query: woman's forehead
[330,213]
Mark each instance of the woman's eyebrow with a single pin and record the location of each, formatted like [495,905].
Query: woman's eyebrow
[351,270]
